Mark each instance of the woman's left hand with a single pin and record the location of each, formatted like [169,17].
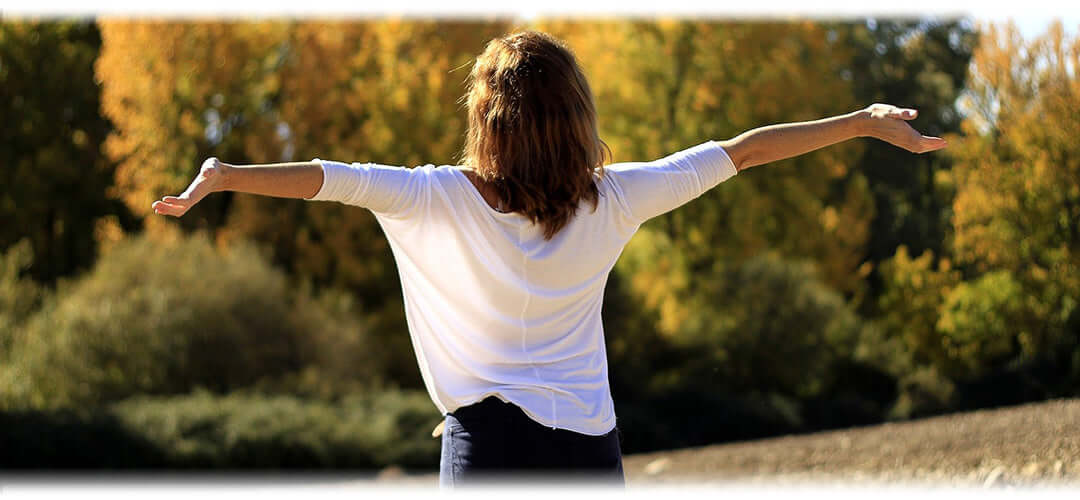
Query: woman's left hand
[210,179]
[889,123]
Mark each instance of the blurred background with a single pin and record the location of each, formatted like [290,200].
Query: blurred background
[857,285]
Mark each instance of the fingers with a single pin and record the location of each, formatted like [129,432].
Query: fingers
[928,144]
[880,110]
[903,113]
[163,208]
[923,144]
[900,133]
[199,188]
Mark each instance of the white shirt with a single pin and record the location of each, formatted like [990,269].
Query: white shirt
[494,309]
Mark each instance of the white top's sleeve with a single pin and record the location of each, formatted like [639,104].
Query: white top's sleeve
[649,189]
[383,189]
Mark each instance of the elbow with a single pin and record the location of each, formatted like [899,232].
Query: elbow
[740,153]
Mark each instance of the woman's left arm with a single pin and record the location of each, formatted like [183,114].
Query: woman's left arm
[283,180]
[777,142]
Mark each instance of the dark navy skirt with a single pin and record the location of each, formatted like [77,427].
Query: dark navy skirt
[494,442]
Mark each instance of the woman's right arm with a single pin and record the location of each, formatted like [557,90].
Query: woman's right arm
[283,180]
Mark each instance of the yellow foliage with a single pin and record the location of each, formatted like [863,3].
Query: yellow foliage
[1017,173]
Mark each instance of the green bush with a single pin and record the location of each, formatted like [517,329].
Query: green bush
[166,318]
[923,392]
[734,351]
[19,295]
[250,431]
[778,326]
[981,325]
[766,324]
[238,431]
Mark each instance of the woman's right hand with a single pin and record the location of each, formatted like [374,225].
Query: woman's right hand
[889,123]
[210,179]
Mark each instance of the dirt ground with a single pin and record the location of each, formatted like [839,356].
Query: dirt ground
[1031,445]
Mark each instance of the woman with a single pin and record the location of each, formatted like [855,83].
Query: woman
[503,259]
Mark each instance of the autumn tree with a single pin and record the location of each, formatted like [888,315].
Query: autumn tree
[177,93]
[1017,207]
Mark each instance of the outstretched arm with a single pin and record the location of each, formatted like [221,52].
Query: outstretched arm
[283,180]
[777,142]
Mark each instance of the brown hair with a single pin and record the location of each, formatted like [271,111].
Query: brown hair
[532,128]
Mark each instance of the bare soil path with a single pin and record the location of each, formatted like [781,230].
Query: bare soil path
[1033,444]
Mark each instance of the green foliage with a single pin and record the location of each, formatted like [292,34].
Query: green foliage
[19,295]
[238,431]
[910,305]
[904,340]
[245,431]
[923,391]
[766,324]
[167,317]
[981,324]
[761,347]
[774,326]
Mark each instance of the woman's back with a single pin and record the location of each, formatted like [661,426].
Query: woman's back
[493,307]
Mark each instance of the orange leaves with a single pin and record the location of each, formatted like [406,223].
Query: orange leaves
[159,79]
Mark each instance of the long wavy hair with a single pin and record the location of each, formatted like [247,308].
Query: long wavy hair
[532,132]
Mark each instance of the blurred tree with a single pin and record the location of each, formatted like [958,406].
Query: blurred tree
[53,177]
[765,325]
[981,325]
[1001,303]
[915,290]
[904,340]
[1017,182]
[921,64]
[177,93]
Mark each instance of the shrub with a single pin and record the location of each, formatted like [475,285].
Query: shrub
[19,295]
[239,431]
[982,326]
[741,350]
[203,430]
[165,318]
